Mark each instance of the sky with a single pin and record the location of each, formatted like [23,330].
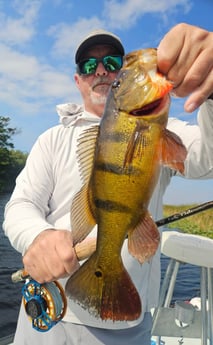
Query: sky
[38,39]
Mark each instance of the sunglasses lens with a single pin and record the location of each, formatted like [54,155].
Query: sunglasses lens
[112,63]
[88,66]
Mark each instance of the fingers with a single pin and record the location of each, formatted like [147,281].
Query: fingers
[179,50]
[51,256]
[167,52]
[197,83]
[200,94]
[185,57]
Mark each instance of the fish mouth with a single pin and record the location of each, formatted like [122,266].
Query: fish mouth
[150,108]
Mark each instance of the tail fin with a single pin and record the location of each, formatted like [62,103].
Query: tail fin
[108,295]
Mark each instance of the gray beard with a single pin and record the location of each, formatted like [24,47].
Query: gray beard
[98,99]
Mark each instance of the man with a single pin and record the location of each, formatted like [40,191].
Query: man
[37,218]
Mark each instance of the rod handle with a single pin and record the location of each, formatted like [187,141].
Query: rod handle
[83,251]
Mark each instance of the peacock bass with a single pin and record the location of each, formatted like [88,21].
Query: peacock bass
[120,163]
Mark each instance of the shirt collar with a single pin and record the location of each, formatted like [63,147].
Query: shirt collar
[70,113]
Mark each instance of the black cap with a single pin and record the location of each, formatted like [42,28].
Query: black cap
[99,37]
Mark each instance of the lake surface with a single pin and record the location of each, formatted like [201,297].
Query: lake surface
[187,284]
[10,294]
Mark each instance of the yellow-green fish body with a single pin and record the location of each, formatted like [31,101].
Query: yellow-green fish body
[120,163]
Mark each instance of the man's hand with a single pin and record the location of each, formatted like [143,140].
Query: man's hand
[185,56]
[51,256]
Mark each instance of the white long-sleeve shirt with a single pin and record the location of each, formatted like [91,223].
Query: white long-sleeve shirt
[45,189]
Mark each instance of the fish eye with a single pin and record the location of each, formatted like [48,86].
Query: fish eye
[116,83]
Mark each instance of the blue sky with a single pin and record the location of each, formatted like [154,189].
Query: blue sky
[38,39]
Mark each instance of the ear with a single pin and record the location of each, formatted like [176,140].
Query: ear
[76,78]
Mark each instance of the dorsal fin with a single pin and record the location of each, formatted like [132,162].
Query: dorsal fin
[82,216]
[86,152]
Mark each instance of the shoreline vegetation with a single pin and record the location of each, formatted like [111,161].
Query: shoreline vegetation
[197,224]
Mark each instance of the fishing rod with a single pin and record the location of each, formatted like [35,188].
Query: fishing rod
[46,303]
[186,213]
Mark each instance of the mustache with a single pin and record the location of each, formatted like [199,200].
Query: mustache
[101,80]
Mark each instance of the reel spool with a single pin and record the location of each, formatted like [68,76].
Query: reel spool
[45,304]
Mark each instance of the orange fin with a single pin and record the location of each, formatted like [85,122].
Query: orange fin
[173,152]
[143,241]
[106,294]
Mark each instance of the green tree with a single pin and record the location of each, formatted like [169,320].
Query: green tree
[16,163]
[11,161]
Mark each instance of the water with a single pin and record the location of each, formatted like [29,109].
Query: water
[10,294]
[187,284]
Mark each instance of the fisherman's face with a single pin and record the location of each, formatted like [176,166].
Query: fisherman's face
[94,87]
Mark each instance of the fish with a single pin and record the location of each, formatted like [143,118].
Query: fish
[120,162]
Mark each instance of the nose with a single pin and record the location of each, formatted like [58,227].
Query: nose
[100,70]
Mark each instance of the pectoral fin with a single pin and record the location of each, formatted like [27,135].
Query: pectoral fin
[137,143]
[173,152]
[143,241]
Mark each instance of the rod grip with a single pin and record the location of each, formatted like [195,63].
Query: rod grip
[83,251]
[19,276]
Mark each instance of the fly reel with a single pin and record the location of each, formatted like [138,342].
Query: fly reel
[45,304]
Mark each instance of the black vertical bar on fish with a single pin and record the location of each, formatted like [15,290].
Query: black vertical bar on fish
[186,213]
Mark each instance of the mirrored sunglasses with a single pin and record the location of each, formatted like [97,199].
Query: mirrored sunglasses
[112,63]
